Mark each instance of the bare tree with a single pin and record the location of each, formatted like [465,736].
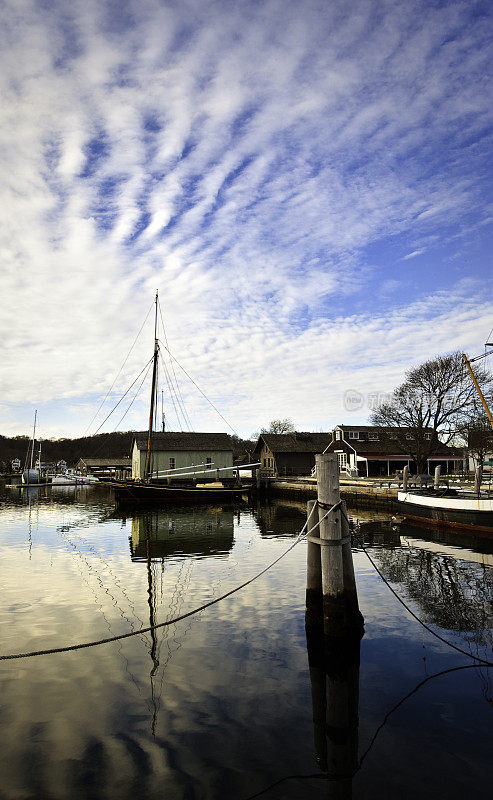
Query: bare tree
[479,439]
[280,426]
[276,426]
[434,405]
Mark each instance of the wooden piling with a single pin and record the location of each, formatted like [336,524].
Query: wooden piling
[331,555]
[405,478]
[436,483]
[314,614]
[478,477]
[340,603]
[354,616]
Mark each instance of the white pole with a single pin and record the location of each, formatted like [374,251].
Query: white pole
[34,433]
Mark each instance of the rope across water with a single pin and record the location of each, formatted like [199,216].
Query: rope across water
[302,534]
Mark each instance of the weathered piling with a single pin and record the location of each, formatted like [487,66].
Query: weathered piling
[314,612]
[478,477]
[405,478]
[341,616]
[436,483]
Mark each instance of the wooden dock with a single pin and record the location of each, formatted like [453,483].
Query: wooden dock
[373,494]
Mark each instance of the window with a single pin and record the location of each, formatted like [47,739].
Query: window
[428,436]
[172,463]
[338,435]
[354,434]
[373,437]
[208,462]
[342,459]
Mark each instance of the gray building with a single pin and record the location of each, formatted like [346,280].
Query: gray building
[179,452]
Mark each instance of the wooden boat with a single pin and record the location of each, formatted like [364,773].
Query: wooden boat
[448,507]
[147,491]
[139,492]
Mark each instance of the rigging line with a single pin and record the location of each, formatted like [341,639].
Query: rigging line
[331,776]
[124,395]
[179,396]
[406,697]
[119,372]
[134,397]
[171,391]
[430,630]
[477,358]
[178,406]
[201,392]
[179,399]
[166,623]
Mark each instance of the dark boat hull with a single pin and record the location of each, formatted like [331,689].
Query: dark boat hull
[140,493]
[439,514]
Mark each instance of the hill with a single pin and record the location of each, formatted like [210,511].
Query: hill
[104,445]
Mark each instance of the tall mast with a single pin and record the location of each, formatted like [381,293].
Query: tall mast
[34,434]
[153,396]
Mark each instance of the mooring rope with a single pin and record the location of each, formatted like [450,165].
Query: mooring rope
[430,630]
[83,645]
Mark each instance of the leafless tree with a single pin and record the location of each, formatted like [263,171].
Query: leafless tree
[433,405]
[479,439]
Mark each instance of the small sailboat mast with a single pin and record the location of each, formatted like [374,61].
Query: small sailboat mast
[34,435]
[153,396]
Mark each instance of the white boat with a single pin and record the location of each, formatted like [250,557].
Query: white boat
[73,479]
[449,507]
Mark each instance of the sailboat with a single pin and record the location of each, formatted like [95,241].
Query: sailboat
[31,476]
[146,491]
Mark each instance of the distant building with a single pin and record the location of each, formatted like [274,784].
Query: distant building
[283,454]
[179,451]
[15,464]
[105,467]
[371,451]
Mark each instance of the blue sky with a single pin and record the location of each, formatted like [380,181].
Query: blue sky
[307,184]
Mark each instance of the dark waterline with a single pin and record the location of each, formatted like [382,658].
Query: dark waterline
[230,702]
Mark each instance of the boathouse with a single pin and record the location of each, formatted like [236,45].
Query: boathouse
[283,454]
[179,451]
[372,451]
[105,467]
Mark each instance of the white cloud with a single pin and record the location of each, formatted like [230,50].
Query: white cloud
[242,167]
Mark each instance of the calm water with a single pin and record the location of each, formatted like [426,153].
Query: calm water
[222,704]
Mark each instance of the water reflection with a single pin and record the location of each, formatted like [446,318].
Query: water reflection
[200,532]
[452,586]
[218,705]
[334,681]
[280,518]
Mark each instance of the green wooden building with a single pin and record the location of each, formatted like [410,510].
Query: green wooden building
[181,451]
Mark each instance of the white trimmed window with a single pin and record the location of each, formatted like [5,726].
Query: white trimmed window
[338,435]
[342,460]
[428,436]
[354,434]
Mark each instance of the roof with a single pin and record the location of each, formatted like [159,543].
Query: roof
[297,442]
[121,461]
[378,428]
[171,440]
[386,444]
